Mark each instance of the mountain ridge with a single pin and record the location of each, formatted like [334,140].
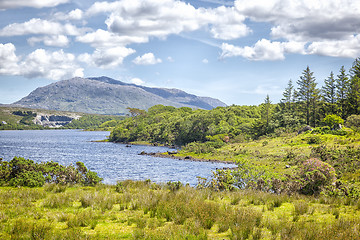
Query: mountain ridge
[104,95]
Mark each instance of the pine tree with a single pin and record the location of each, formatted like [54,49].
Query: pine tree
[329,93]
[342,91]
[353,99]
[288,96]
[308,96]
[266,113]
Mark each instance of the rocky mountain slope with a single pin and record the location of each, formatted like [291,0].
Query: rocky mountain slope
[104,95]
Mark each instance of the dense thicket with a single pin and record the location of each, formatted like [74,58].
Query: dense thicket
[24,172]
[180,126]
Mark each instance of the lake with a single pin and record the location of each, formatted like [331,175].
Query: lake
[112,161]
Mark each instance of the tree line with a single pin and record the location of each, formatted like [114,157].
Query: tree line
[302,104]
[306,103]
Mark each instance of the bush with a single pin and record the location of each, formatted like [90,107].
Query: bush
[353,122]
[316,174]
[24,172]
[333,121]
[313,139]
[28,179]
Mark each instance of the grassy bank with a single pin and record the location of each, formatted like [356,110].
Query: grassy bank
[143,210]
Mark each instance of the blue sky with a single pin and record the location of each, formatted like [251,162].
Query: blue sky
[236,51]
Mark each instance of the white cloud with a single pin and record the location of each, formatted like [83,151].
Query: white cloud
[106,57]
[205,61]
[262,50]
[8,59]
[76,14]
[227,24]
[329,27]
[39,26]
[54,40]
[102,38]
[40,63]
[6,4]
[170,59]
[54,65]
[147,59]
[305,20]
[137,81]
[349,48]
[160,18]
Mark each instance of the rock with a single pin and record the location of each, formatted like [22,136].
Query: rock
[3,122]
[287,166]
[187,157]
[172,153]
[305,129]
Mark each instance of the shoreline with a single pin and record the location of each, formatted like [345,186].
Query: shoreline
[186,158]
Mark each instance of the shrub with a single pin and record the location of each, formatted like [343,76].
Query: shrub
[28,179]
[333,121]
[25,172]
[353,122]
[316,174]
[313,139]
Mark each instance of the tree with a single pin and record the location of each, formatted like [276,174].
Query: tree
[354,92]
[263,126]
[342,91]
[329,93]
[266,113]
[136,112]
[288,96]
[308,96]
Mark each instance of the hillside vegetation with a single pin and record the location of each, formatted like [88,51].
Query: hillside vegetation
[18,118]
[308,143]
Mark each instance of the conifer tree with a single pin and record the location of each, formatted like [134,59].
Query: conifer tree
[354,92]
[342,91]
[329,93]
[288,96]
[308,96]
[266,113]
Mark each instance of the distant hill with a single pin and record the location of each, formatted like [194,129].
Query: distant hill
[103,95]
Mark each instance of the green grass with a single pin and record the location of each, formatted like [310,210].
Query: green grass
[143,210]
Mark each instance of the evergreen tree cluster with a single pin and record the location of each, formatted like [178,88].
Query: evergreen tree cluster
[308,104]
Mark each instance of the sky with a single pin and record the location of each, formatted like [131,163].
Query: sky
[236,51]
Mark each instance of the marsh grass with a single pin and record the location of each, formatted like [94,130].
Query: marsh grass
[149,212]
[60,200]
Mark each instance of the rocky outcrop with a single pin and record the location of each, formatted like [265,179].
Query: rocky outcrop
[53,121]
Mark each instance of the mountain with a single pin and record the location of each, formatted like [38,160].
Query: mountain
[105,95]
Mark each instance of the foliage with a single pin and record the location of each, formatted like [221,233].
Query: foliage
[145,210]
[353,122]
[316,174]
[92,122]
[24,172]
[333,121]
[169,125]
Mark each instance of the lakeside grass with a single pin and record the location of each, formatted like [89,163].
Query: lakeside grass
[279,154]
[145,210]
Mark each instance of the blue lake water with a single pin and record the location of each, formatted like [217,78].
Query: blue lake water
[111,161]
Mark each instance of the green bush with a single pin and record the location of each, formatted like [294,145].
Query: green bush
[28,179]
[333,121]
[353,122]
[24,172]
